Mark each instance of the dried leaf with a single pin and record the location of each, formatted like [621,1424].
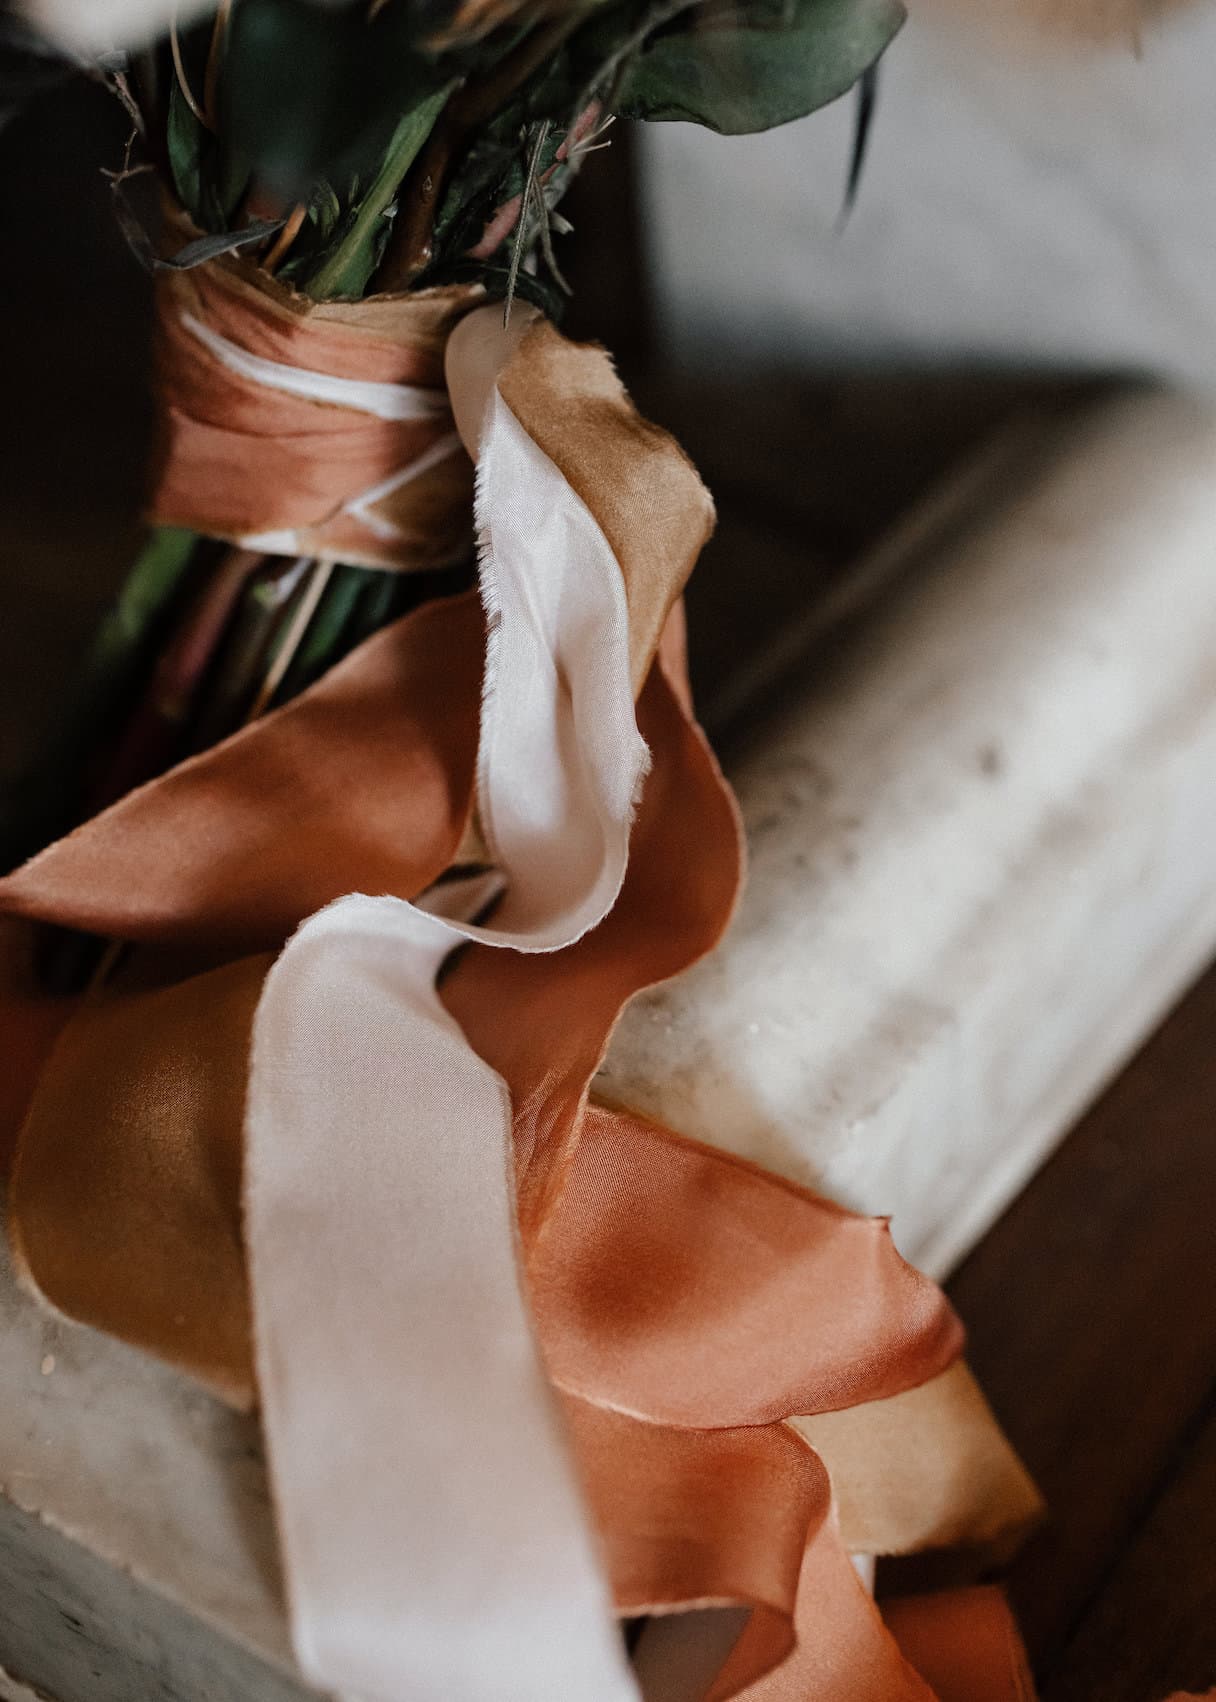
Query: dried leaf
[215,243]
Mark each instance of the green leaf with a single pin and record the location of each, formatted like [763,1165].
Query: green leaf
[314,90]
[150,586]
[232,174]
[215,243]
[324,210]
[759,68]
[184,140]
[348,267]
[863,123]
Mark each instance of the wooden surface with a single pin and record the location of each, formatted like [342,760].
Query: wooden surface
[1091,1309]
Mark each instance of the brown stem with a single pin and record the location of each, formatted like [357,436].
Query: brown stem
[183,82]
[409,250]
[285,238]
[215,55]
[319,578]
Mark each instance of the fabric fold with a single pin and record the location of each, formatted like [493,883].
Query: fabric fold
[124,1202]
[31,1021]
[365,781]
[432,1532]
[964,1643]
[397,1140]
[926,1468]
[647,498]
[544,1023]
[842,1650]
[701,1518]
[560,761]
[644,1255]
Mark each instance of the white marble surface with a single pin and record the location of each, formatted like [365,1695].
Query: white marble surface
[981,866]
[125,1494]
[980,850]
[1052,208]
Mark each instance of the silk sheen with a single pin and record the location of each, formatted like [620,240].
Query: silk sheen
[409,1417]
[413,1438]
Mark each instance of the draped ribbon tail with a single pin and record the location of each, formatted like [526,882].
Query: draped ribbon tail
[433,1536]
[362,782]
[441,1385]
[31,1021]
[727,1519]
[928,1467]
[965,1644]
[692,1289]
[525,1360]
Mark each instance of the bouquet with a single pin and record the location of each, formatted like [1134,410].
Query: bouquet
[346,150]
[385,793]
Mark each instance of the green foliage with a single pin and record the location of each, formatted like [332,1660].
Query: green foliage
[492,171]
[149,589]
[314,99]
[743,69]
[184,144]
[209,175]
[349,264]
[314,91]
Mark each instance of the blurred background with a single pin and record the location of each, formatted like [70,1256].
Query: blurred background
[1028,202]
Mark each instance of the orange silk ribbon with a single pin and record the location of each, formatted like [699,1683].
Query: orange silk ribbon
[242,458]
[687,1303]
[964,1642]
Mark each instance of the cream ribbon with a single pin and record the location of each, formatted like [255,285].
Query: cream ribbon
[366,396]
[435,1545]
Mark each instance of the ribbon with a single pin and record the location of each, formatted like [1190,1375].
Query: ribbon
[640,1310]
[350,1037]
[964,1643]
[432,1534]
[309,429]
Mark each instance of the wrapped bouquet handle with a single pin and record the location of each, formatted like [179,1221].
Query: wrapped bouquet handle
[308,428]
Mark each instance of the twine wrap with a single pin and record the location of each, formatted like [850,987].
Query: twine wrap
[310,429]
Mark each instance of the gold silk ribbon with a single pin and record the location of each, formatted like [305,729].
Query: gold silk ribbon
[686,1304]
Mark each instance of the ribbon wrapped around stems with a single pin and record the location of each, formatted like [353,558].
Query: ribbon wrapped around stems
[300,428]
[468,1481]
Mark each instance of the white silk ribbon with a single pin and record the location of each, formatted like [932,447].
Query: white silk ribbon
[366,396]
[434,1541]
